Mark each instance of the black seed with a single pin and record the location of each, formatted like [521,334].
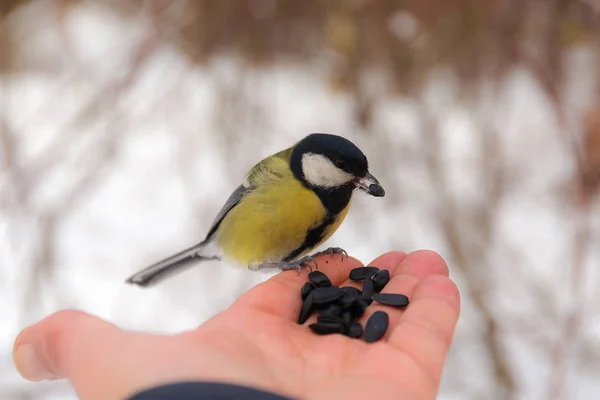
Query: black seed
[350,295]
[391,299]
[324,295]
[329,319]
[368,289]
[376,326]
[381,279]
[355,330]
[363,299]
[326,328]
[357,309]
[360,273]
[351,289]
[347,318]
[376,190]
[333,310]
[319,279]
[307,309]
[306,289]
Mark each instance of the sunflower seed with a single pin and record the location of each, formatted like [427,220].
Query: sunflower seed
[350,295]
[329,319]
[380,279]
[357,309]
[351,289]
[355,330]
[368,289]
[306,289]
[391,299]
[360,273]
[307,309]
[376,326]
[324,295]
[333,310]
[366,301]
[319,279]
[326,328]
[347,318]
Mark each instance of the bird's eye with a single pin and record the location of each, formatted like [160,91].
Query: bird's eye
[341,164]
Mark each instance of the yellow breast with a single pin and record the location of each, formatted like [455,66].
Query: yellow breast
[272,221]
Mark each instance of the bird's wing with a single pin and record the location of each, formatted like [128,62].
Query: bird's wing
[233,200]
[270,169]
[266,170]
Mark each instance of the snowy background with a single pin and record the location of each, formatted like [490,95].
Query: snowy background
[124,127]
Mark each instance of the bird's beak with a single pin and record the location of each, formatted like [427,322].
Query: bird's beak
[370,184]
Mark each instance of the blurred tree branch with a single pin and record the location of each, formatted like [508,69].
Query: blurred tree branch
[25,179]
[469,253]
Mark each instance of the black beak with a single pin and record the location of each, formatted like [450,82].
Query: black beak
[370,184]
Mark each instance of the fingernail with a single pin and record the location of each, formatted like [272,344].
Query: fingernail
[30,365]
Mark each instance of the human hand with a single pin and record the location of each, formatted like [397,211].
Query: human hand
[257,343]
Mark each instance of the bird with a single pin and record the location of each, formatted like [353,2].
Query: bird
[287,205]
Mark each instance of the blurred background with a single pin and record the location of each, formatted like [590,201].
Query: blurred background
[124,126]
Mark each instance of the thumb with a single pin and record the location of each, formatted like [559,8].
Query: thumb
[49,349]
[100,360]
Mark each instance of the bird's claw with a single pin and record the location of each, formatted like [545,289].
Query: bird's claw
[309,261]
[298,265]
[306,262]
[331,251]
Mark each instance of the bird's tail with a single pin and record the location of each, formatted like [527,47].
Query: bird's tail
[156,273]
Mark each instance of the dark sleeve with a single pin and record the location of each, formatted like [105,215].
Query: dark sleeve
[204,391]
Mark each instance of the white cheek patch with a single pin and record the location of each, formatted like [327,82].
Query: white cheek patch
[320,171]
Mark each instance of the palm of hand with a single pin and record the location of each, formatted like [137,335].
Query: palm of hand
[257,342]
[269,349]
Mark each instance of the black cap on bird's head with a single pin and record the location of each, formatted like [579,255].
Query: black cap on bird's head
[328,161]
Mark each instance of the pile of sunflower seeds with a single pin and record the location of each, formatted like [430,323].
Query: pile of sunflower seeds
[340,308]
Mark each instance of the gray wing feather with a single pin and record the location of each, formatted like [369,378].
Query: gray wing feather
[261,171]
[233,200]
[161,270]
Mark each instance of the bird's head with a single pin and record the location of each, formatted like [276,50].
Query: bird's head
[329,162]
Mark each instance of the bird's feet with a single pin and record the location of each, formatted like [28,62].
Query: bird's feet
[303,262]
[298,265]
[331,251]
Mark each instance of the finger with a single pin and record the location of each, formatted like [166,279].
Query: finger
[75,346]
[280,295]
[389,261]
[41,352]
[422,263]
[426,329]
[100,360]
[405,272]
[405,277]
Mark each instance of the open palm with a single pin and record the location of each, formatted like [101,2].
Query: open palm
[257,342]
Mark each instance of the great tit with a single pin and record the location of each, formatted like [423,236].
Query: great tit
[288,204]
